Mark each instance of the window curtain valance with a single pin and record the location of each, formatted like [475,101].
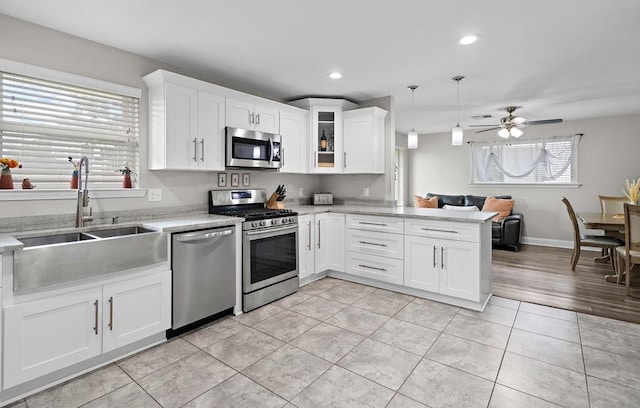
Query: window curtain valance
[548,157]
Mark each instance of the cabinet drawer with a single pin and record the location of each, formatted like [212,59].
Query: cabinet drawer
[375,267]
[459,231]
[375,243]
[375,223]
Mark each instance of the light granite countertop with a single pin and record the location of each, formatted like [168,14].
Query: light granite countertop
[10,242]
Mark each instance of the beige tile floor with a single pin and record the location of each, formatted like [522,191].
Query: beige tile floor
[340,344]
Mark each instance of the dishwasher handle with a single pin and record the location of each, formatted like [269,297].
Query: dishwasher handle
[200,236]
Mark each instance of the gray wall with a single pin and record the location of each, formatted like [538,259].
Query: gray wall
[32,44]
[609,153]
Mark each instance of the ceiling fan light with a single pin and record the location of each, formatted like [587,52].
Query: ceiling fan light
[504,133]
[457,135]
[515,132]
[412,139]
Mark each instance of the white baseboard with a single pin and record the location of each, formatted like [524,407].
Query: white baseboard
[556,243]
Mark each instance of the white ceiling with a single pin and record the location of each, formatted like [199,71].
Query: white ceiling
[567,59]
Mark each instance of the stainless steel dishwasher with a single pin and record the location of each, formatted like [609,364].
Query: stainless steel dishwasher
[204,275]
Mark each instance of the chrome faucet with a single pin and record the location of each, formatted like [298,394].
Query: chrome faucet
[83,211]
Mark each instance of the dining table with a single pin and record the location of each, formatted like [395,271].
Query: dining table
[611,224]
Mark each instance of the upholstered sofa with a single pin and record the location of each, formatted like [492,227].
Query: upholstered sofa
[504,233]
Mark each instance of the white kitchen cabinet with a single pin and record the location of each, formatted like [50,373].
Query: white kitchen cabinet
[364,140]
[294,129]
[186,126]
[449,267]
[49,334]
[380,268]
[330,242]
[306,246]
[247,115]
[135,309]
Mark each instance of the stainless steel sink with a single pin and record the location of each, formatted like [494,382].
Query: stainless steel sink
[118,232]
[53,259]
[54,239]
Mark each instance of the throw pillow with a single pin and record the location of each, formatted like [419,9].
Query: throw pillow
[461,207]
[500,205]
[421,202]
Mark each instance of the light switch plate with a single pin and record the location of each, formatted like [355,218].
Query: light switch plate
[365,192]
[155,194]
[300,192]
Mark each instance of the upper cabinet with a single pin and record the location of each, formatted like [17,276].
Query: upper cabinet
[186,125]
[246,115]
[364,140]
[294,129]
[344,139]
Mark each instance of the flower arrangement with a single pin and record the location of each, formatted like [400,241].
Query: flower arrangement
[6,164]
[632,190]
[75,165]
[126,170]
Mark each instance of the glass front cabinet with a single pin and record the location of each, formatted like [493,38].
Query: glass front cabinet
[327,139]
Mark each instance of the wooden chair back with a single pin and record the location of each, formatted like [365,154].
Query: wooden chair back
[632,227]
[574,221]
[612,205]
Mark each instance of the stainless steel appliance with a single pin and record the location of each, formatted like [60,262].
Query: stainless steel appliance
[322,198]
[246,148]
[269,245]
[204,275]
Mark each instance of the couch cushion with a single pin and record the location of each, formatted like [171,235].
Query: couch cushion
[478,201]
[448,199]
[496,231]
[421,202]
[501,205]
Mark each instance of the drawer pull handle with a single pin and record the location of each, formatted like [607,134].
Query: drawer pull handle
[372,267]
[95,328]
[372,223]
[372,243]
[440,230]
[111,313]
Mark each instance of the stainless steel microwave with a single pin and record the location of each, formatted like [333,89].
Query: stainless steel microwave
[250,149]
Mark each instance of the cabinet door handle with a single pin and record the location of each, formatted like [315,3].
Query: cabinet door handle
[281,156]
[442,257]
[250,118]
[440,230]
[372,267]
[315,158]
[111,313]
[95,328]
[372,243]
[345,159]
[309,242]
[318,234]
[434,256]
[372,223]
[257,119]
[202,150]
[195,149]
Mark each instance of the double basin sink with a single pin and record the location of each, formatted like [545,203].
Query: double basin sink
[51,259]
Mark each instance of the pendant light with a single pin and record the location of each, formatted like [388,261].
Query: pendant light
[457,133]
[412,137]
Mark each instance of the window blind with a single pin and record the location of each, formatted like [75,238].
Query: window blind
[43,123]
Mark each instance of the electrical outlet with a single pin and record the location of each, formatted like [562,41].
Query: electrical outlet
[300,192]
[155,194]
[365,192]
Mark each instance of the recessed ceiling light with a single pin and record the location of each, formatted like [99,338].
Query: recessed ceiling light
[468,39]
[335,75]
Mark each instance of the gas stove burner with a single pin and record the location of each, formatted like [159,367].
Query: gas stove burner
[253,214]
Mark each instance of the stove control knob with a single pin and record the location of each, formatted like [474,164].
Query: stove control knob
[285,220]
[275,221]
[291,219]
[263,223]
[255,224]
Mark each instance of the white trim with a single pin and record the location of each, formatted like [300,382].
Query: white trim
[545,185]
[24,195]
[556,243]
[67,78]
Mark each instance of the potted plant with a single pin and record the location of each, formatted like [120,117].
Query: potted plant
[126,173]
[632,190]
[6,164]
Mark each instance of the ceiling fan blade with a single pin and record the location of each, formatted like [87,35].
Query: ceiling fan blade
[518,120]
[543,122]
[486,130]
[481,125]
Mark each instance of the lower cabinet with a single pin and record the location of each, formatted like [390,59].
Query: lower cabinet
[443,266]
[375,267]
[329,235]
[306,246]
[46,335]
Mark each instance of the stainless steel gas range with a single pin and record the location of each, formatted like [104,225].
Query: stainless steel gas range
[269,245]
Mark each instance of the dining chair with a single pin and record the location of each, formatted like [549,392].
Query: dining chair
[629,254]
[598,241]
[612,205]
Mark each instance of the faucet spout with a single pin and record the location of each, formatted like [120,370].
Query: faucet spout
[83,211]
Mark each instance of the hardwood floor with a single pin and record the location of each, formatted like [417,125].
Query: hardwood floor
[543,275]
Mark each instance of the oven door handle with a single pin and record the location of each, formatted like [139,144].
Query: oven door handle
[205,236]
[271,230]
[270,151]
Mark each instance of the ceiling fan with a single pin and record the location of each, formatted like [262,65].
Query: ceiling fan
[511,125]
